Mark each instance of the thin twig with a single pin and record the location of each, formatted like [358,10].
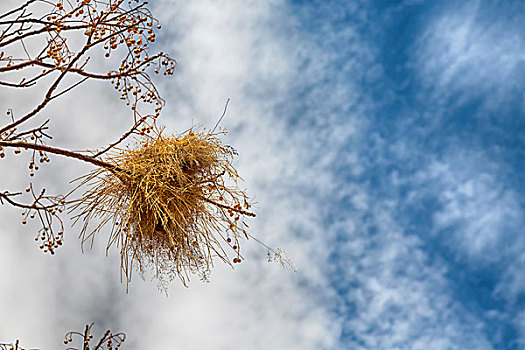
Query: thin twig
[129,132]
[222,116]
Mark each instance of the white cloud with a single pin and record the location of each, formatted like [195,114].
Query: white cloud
[479,220]
[395,297]
[462,55]
[481,211]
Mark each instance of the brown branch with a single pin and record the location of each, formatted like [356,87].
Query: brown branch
[12,202]
[59,151]
[28,83]
[6,196]
[34,131]
[17,9]
[79,71]
[123,137]
[69,88]
[16,85]
[40,31]
[103,340]
[49,93]
[17,66]
[227,207]
[27,20]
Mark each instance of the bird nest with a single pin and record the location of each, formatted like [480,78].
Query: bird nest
[173,204]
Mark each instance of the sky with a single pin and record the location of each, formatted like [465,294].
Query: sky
[383,142]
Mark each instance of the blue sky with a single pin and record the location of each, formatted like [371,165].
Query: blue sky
[440,97]
[384,144]
[437,90]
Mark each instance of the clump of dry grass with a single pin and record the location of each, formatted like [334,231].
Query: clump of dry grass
[173,203]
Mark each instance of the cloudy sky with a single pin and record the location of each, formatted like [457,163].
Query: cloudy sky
[384,144]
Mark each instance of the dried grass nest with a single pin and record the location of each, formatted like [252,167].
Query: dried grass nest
[173,204]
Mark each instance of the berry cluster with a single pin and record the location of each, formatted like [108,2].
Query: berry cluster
[108,341]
